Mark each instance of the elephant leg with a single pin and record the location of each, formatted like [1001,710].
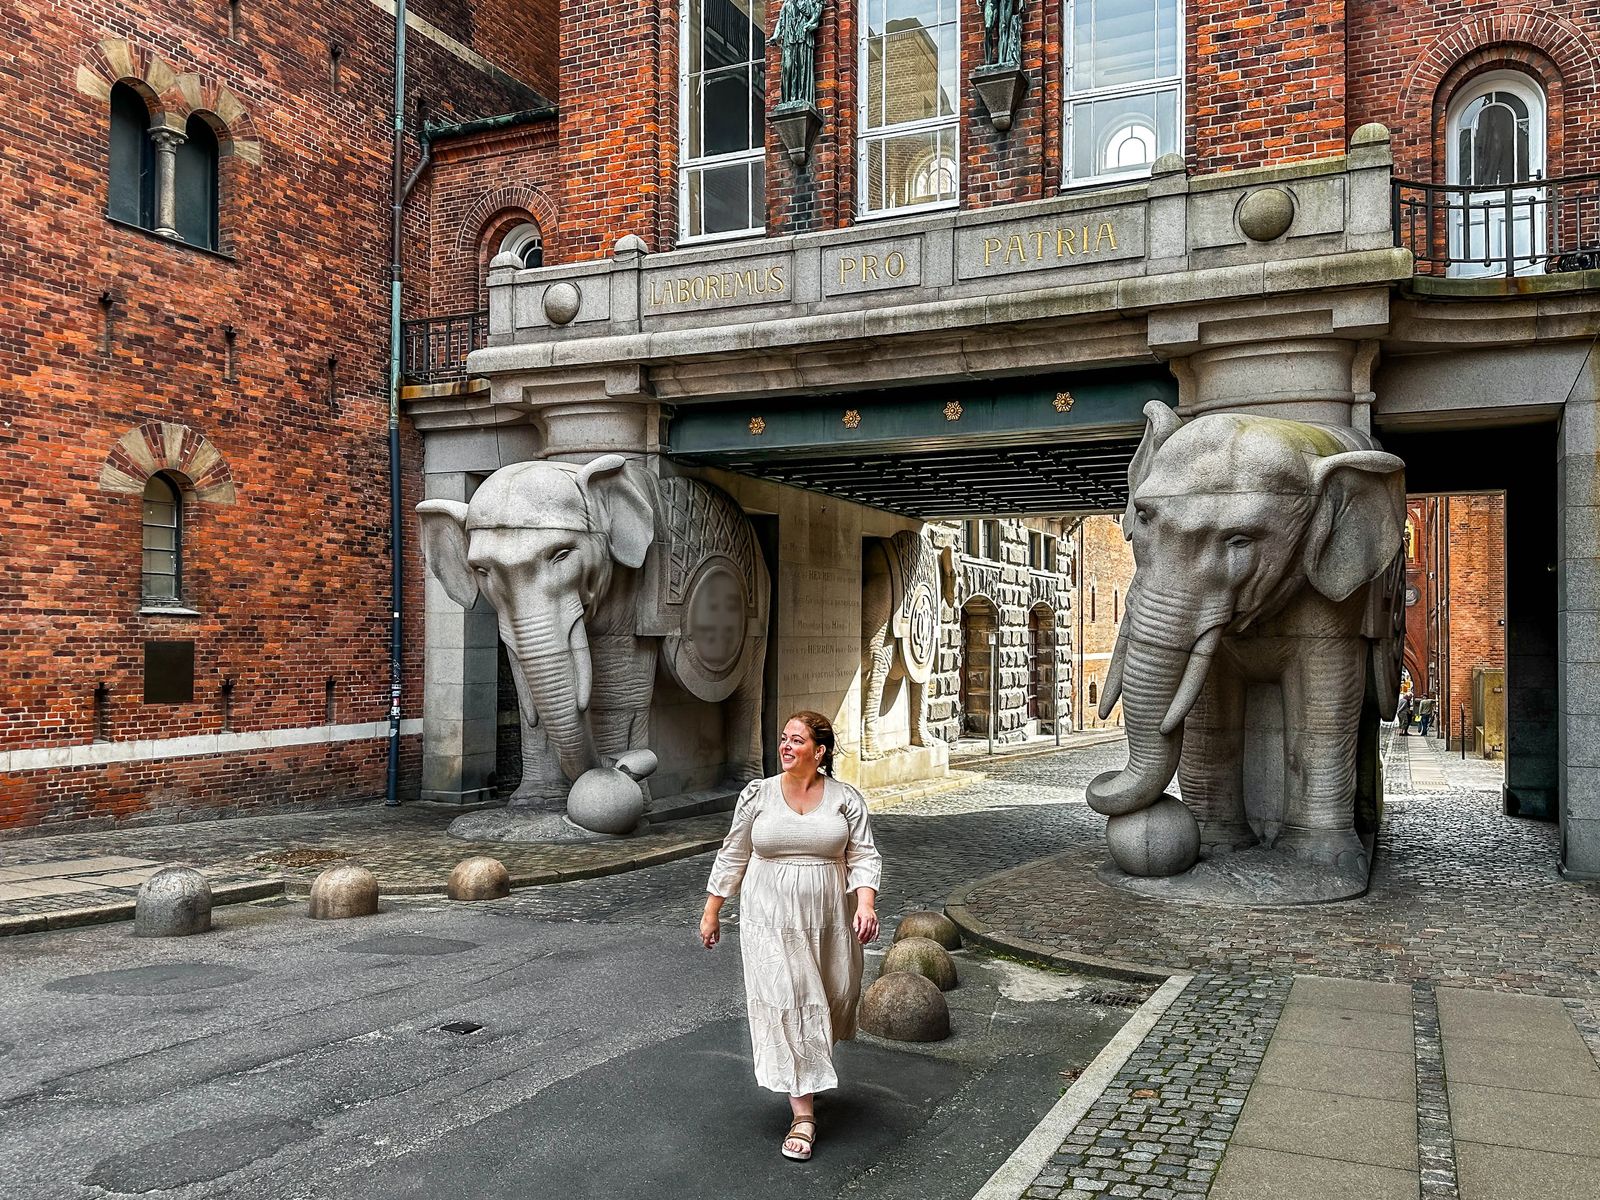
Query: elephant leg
[877,647]
[1322,694]
[1211,767]
[742,719]
[919,715]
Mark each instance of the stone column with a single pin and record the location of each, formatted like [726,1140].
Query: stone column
[166,143]
[1576,691]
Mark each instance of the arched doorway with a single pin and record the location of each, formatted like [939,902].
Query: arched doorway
[1495,137]
[979,626]
[1042,690]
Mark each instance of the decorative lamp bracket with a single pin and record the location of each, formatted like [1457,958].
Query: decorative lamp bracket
[796,124]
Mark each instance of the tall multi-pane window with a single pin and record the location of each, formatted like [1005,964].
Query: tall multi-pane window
[722,180]
[195,178]
[909,63]
[1124,87]
[132,196]
[163,542]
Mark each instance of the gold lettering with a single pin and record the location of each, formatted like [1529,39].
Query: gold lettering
[895,264]
[683,291]
[775,276]
[1014,247]
[990,245]
[1083,245]
[846,265]
[714,286]
[869,267]
[1038,245]
[749,279]
[1066,242]
[1106,233]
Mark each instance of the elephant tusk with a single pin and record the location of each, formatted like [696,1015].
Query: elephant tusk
[1194,678]
[582,667]
[1113,689]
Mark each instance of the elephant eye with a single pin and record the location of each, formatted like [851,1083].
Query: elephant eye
[1141,515]
[561,554]
[1240,540]
[484,571]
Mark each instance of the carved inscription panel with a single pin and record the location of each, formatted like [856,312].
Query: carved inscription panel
[1047,244]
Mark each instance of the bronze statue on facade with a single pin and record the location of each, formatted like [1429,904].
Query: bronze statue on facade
[1002,32]
[796,35]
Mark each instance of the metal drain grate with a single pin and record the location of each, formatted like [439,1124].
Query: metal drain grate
[461,1027]
[1115,999]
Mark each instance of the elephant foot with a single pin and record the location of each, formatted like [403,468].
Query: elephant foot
[1339,848]
[536,799]
[1225,837]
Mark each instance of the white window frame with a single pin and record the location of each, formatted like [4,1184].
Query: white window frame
[1175,83]
[688,166]
[950,125]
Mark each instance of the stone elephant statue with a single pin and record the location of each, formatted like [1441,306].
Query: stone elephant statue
[1266,552]
[902,583]
[600,573]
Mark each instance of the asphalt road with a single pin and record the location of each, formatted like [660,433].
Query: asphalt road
[285,1058]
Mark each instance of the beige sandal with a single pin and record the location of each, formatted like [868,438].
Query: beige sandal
[792,1136]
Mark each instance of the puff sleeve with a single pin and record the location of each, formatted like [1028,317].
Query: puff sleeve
[727,872]
[863,863]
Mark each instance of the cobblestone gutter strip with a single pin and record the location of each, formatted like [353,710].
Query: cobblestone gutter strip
[122,910]
[1585,1015]
[1019,1172]
[1160,1129]
[975,930]
[1436,1151]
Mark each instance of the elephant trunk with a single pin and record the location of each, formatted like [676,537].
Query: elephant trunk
[1158,684]
[554,656]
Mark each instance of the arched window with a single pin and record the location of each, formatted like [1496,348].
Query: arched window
[1130,146]
[1094,692]
[526,242]
[195,184]
[1495,137]
[163,542]
[132,193]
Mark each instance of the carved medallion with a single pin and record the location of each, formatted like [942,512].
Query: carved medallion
[852,419]
[1064,401]
[757,426]
[952,411]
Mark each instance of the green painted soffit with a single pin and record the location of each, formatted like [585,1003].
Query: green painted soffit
[1000,412]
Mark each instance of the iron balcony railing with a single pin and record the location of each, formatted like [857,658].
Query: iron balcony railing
[435,349]
[1534,227]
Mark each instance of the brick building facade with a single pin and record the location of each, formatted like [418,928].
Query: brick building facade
[247,374]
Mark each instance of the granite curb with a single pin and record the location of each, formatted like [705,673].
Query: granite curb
[122,910]
[974,929]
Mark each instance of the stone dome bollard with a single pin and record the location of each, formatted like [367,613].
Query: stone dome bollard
[606,800]
[480,878]
[924,957]
[341,891]
[174,902]
[935,926]
[905,1007]
[1163,839]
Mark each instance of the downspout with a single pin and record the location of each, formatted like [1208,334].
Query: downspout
[391,796]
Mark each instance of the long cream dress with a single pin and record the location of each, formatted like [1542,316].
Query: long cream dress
[802,960]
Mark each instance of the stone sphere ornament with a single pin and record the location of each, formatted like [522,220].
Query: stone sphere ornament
[935,926]
[905,1007]
[561,302]
[479,878]
[1163,839]
[606,800]
[343,891]
[924,957]
[174,902]
[1266,214]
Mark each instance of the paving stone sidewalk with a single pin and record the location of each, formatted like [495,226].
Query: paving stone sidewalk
[1465,1063]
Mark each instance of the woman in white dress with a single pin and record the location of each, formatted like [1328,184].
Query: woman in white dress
[801,850]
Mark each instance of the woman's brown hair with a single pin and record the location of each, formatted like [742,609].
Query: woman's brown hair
[821,733]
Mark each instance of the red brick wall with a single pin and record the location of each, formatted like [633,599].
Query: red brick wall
[290,579]
[1408,58]
[1105,568]
[619,123]
[1476,527]
[821,194]
[1267,82]
[1000,167]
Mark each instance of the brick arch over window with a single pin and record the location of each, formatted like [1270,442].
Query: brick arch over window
[1559,54]
[173,96]
[489,207]
[158,446]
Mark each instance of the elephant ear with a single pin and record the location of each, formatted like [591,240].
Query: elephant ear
[626,511]
[444,548]
[1357,526]
[1160,423]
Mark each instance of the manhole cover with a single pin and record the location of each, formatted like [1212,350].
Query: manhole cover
[299,856]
